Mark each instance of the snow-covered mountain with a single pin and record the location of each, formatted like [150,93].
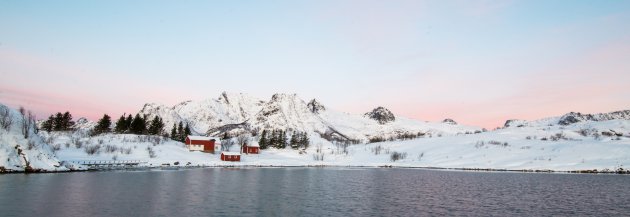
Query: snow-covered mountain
[569,119]
[234,112]
[598,141]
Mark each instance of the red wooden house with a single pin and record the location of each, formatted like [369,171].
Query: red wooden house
[251,148]
[230,156]
[201,143]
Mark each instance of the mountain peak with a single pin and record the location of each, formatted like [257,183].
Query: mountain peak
[449,121]
[315,107]
[381,114]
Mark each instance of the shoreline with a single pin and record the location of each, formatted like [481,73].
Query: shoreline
[591,171]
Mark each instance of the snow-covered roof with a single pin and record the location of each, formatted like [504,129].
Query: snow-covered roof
[253,144]
[202,138]
[230,153]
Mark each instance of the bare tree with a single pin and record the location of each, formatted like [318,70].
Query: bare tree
[226,144]
[5,118]
[28,121]
[242,140]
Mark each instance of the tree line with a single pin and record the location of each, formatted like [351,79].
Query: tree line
[278,139]
[58,122]
[139,125]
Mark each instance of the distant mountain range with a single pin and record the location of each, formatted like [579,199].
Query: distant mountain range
[239,112]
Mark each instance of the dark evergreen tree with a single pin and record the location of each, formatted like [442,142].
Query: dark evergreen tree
[58,122]
[174,132]
[66,121]
[294,142]
[146,123]
[102,126]
[304,141]
[263,141]
[186,133]
[283,139]
[121,125]
[49,124]
[156,126]
[273,139]
[137,125]
[128,121]
[180,131]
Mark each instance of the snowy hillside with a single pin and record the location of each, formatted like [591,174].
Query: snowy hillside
[570,118]
[18,154]
[600,145]
[241,112]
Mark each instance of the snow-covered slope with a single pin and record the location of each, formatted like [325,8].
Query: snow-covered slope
[207,114]
[19,154]
[570,118]
[600,141]
[241,112]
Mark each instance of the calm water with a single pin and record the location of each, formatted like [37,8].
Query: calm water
[312,192]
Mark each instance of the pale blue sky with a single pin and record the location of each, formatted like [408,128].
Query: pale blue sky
[479,62]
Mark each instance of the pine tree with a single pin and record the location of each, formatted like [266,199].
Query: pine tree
[174,132]
[304,141]
[186,133]
[180,132]
[137,125]
[156,127]
[283,140]
[263,140]
[48,124]
[128,122]
[294,142]
[273,141]
[146,123]
[67,121]
[57,123]
[103,125]
[121,125]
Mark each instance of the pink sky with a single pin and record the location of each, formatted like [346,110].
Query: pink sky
[477,62]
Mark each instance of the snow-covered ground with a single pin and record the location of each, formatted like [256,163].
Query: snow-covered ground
[570,142]
[559,148]
[24,154]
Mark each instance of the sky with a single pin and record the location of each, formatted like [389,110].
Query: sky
[477,62]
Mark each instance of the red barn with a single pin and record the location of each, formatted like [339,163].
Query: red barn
[230,156]
[201,143]
[251,148]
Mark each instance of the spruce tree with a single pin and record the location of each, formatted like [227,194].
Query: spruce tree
[186,132]
[128,121]
[180,132]
[304,141]
[48,124]
[174,132]
[294,143]
[102,126]
[67,121]
[121,125]
[283,139]
[263,140]
[137,125]
[156,127]
[273,140]
[58,122]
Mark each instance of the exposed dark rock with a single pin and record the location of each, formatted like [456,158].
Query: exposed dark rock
[315,107]
[382,115]
[449,121]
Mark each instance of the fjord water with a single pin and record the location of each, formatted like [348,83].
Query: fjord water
[312,192]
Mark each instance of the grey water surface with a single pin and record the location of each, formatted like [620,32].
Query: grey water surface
[312,192]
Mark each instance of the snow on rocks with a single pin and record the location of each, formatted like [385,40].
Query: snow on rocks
[20,154]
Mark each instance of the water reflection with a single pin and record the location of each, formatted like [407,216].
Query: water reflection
[311,192]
